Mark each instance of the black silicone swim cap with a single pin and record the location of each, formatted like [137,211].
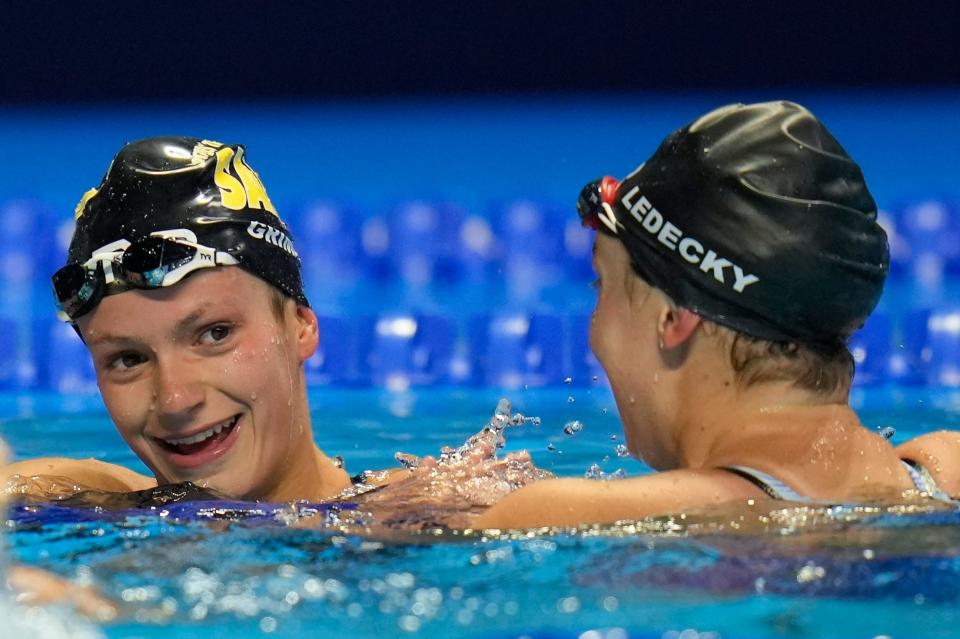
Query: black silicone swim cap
[165,183]
[755,217]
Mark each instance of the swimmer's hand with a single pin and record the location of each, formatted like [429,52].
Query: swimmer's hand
[35,587]
[449,490]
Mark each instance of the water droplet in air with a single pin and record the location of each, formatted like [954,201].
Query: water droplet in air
[570,399]
[338,461]
[572,428]
[568,380]
[596,378]
[613,437]
[622,451]
[551,448]
[887,431]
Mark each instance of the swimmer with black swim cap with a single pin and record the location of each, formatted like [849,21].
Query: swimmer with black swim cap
[184,284]
[733,266]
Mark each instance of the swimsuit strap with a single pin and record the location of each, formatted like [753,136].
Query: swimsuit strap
[767,483]
[923,480]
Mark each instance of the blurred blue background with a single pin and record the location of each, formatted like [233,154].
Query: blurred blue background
[427,157]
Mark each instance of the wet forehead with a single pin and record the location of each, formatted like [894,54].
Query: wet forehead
[201,296]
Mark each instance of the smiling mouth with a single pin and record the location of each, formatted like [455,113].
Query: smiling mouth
[202,441]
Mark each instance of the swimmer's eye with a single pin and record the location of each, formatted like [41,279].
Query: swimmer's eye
[126,361]
[215,334]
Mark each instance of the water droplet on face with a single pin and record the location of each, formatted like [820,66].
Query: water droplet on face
[622,451]
[572,428]
[632,399]
[253,397]
[656,378]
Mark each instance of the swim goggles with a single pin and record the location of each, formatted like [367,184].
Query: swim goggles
[159,260]
[595,204]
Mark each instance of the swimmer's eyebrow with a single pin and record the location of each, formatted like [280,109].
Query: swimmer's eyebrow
[107,338]
[187,322]
[182,326]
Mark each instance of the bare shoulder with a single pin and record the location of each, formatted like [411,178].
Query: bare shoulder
[571,501]
[939,453]
[91,474]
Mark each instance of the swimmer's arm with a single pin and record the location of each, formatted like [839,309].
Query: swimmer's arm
[939,453]
[572,501]
[85,474]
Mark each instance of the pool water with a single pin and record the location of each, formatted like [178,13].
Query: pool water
[241,570]
[235,570]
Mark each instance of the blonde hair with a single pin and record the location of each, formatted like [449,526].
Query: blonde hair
[826,370]
[278,301]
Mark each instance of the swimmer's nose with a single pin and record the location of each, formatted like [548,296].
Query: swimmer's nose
[177,390]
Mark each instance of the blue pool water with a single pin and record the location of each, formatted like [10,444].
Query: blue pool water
[214,570]
[507,319]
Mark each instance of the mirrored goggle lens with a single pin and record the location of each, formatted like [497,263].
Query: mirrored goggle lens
[76,288]
[146,263]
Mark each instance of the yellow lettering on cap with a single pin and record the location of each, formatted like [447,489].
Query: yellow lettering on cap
[256,194]
[232,195]
[82,204]
[203,151]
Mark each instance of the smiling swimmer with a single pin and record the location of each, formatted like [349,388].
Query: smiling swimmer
[733,265]
[184,285]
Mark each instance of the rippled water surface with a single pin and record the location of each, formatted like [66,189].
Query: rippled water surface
[235,570]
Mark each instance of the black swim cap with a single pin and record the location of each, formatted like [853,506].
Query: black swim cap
[754,216]
[166,183]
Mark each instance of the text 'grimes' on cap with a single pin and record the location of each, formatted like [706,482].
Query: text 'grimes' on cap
[159,185]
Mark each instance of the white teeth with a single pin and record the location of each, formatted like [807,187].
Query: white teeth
[207,434]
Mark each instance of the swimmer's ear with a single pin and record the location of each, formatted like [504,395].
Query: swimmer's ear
[308,332]
[676,325]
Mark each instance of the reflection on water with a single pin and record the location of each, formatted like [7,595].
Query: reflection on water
[194,568]
[184,564]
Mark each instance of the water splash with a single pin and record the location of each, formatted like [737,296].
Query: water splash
[596,472]
[622,451]
[572,427]
[448,490]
